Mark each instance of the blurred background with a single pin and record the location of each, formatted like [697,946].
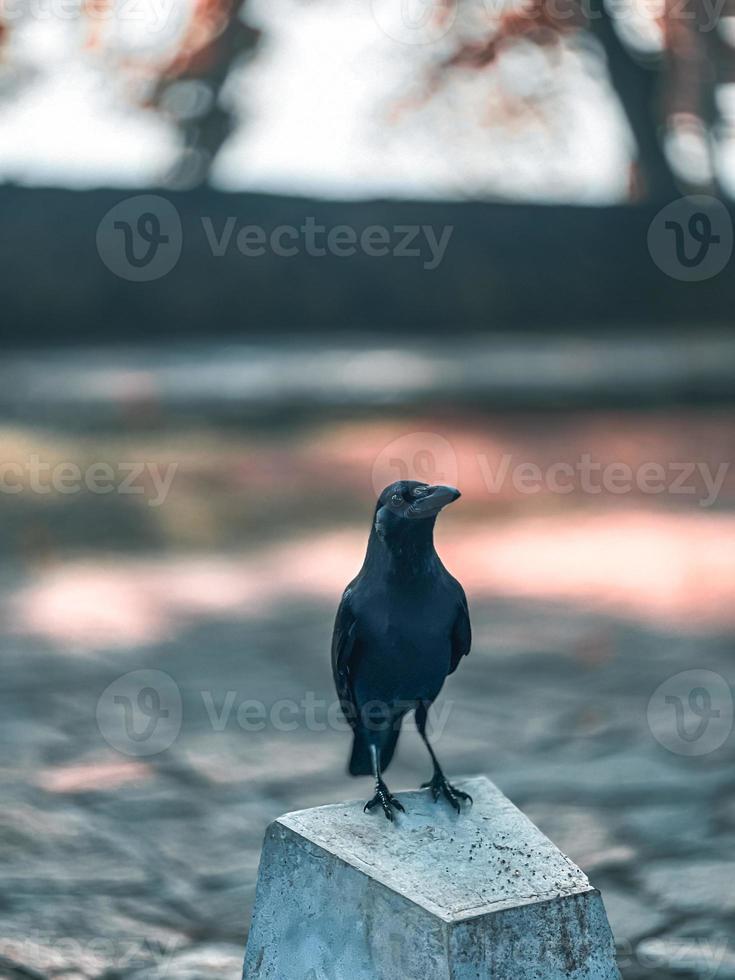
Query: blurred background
[259,260]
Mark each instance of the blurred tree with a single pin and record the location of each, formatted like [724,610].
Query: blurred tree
[173,56]
[189,87]
[665,60]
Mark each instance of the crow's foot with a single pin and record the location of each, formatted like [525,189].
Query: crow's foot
[439,786]
[383,798]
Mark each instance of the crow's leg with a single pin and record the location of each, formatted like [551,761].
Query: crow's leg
[438,784]
[382,793]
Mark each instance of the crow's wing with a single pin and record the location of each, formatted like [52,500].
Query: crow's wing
[461,632]
[344,656]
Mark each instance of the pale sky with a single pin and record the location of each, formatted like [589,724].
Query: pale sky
[320,108]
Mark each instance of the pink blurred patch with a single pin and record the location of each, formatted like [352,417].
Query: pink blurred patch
[668,569]
[92,776]
[485,452]
[95,604]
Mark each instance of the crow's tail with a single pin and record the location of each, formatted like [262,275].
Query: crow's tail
[360,764]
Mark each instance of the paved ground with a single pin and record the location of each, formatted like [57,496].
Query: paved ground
[119,861]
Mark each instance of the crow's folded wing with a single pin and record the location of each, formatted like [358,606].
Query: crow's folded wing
[344,656]
[461,632]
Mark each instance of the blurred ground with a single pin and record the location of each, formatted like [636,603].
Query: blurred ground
[583,602]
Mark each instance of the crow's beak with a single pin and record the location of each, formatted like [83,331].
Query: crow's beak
[437,497]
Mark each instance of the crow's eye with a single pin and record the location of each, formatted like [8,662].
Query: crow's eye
[419,491]
[396,499]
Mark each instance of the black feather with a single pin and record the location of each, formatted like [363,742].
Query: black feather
[402,625]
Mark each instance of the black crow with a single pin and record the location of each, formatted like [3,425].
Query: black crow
[402,626]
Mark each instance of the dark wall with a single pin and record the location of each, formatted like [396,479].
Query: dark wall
[505,266]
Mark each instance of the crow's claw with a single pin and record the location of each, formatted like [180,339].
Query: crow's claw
[384,799]
[440,787]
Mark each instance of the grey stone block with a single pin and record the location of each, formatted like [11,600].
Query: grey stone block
[344,895]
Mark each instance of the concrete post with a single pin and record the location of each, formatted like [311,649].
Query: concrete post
[344,895]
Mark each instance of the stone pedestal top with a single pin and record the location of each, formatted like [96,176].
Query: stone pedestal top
[436,895]
[456,866]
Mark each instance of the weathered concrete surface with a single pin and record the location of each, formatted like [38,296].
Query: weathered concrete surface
[343,895]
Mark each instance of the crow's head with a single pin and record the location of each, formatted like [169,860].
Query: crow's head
[407,501]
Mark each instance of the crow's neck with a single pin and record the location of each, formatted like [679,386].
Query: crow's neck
[407,554]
